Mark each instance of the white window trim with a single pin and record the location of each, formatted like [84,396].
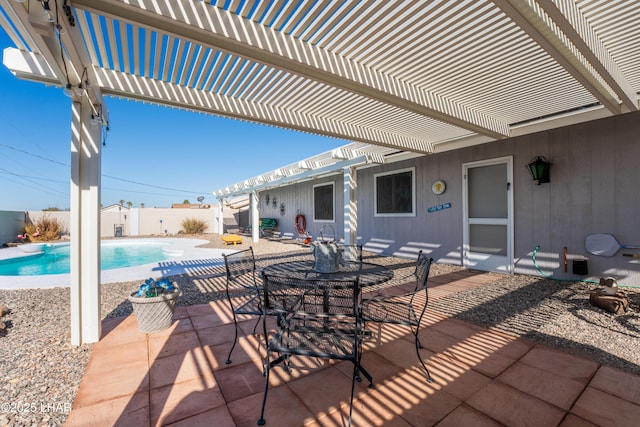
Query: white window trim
[413,193]
[333,198]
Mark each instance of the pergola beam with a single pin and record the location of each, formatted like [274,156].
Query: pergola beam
[48,62]
[157,92]
[546,32]
[212,27]
[41,36]
[572,23]
[285,180]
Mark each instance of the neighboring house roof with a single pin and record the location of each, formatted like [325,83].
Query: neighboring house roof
[189,206]
[421,77]
[114,207]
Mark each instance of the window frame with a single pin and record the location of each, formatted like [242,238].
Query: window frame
[413,193]
[333,201]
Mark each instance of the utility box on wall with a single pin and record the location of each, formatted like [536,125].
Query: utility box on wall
[580,267]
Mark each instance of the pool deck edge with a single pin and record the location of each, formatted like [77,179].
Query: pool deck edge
[169,267]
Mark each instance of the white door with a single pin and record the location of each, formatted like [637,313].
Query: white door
[488,215]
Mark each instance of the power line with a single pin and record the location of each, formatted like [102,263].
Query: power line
[46,189]
[139,192]
[7,172]
[105,176]
[155,186]
[29,178]
[35,155]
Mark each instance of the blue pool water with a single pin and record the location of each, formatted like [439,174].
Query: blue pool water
[54,259]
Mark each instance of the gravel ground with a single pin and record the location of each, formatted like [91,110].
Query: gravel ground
[555,313]
[42,371]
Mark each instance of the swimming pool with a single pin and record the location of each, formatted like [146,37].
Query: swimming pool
[183,256]
[54,258]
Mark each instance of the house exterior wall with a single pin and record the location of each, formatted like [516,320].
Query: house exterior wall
[594,188]
[299,199]
[113,216]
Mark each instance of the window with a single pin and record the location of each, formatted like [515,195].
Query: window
[395,193]
[323,206]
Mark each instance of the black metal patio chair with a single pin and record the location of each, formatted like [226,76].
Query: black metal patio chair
[241,275]
[403,309]
[317,318]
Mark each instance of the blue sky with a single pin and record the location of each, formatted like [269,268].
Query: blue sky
[154,146]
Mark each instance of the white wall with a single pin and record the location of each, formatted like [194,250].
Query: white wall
[156,221]
[136,221]
[11,224]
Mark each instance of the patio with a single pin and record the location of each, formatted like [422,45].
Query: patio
[439,84]
[436,85]
[482,377]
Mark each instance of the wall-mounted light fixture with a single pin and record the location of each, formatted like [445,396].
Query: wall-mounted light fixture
[539,168]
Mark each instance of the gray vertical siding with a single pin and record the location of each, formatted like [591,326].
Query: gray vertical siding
[299,197]
[594,188]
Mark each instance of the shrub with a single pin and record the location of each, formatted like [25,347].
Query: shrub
[194,226]
[45,229]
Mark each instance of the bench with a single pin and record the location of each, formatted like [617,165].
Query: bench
[266,224]
[231,239]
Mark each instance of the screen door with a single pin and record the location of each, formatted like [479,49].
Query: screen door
[488,212]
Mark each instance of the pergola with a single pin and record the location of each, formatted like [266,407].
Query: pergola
[409,76]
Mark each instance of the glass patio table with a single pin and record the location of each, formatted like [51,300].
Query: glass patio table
[368,273]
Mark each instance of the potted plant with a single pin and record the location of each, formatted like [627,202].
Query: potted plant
[154,304]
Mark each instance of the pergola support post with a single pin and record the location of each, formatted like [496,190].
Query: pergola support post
[84,225]
[220,217]
[254,217]
[350,184]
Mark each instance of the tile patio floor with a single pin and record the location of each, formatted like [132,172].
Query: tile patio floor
[482,378]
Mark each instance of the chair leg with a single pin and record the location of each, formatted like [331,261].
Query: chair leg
[418,347]
[353,387]
[261,421]
[415,333]
[235,323]
[361,370]
[256,325]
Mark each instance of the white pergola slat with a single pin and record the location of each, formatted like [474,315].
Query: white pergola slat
[388,76]
[533,20]
[574,25]
[211,27]
[324,164]
[131,86]
[420,42]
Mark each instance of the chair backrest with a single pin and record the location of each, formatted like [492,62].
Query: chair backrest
[318,297]
[241,265]
[423,266]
